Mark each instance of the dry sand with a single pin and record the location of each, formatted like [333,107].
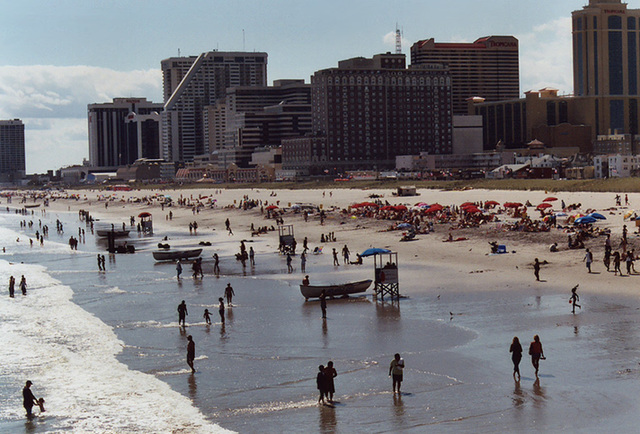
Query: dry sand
[436,266]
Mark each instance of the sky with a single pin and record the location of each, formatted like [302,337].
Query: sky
[57,56]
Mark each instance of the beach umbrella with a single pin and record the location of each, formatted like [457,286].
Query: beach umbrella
[512,205]
[597,216]
[472,209]
[561,214]
[422,204]
[388,208]
[374,251]
[585,219]
[400,208]
[144,214]
[467,204]
[270,207]
[434,208]
[405,225]
[544,205]
[491,203]
[550,199]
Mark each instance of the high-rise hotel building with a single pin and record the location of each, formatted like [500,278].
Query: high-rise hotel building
[193,83]
[606,63]
[12,152]
[487,68]
[365,112]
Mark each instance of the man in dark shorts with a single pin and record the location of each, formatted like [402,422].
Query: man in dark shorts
[228,293]
[28,399]
[396,369]
[182,313]
[191,353]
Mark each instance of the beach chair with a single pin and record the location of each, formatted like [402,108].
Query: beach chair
[317,250]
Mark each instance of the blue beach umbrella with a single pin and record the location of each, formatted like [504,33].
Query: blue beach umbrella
[374,251]
[405,225]
[597,216]
[585,219]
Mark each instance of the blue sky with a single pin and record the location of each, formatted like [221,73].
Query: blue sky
[57,56]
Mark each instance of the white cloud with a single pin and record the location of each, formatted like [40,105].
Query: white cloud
[52,103]
[546,57]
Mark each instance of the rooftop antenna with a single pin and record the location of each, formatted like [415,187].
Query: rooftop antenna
[398,40]
[243,45]
[178,52]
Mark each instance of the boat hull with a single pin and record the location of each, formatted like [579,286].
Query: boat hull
[333,291]
[176,254]
[106,232]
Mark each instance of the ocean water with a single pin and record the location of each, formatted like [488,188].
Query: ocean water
[106,352]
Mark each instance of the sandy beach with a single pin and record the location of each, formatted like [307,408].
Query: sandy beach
[461,307]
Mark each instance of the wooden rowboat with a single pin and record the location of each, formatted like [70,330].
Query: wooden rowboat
[332,291]
[172,255]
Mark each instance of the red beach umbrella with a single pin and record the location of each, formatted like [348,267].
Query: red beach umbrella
[512,205]
[544,205]
[144,214]
[270,207]
[434,208]
[400,208]
[472,209]
[550,199]
[466,204]
[388,208]
[491,203]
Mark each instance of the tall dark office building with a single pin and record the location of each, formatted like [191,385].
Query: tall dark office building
[12,151]
[606,56]
[487,68]
[122,131]
[190,85]
[367,111]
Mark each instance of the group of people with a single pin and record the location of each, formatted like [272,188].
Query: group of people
[535,351]
[22,286]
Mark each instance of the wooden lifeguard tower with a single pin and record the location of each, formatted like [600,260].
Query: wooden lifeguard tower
[386,275]
[286,239]
[146,223]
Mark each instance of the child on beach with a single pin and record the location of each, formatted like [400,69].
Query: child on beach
[574,298]
[221,309]
[207,316]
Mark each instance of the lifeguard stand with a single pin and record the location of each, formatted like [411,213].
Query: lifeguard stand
[146,223]
[286,239]
[386,275]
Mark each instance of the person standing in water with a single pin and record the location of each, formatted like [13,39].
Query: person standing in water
[28,399]
[182,313]
[228,293]
[221,309]
[536,269]
[12,286]
[321,384]
[178,269]
[536,353]
[323,304]
[252,257]
[207,316]
[574,298]
[329,374]
[396,369]
[216,264]
[516,356]
[191,353]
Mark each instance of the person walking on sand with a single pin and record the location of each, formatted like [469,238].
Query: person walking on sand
[303,262]
[516,356]
[329,374]
[178,269]
[23,285]
[289,266]
[182,313]
[28,400]
[574,298]
[536,353]
[228,293]
[345,254]
[207,317]
[216,264]
[588,258]
[396,369]
[616,264]
[221,309]
[336,262]
[191,353]
[321,384]
[607,258]
[536,269]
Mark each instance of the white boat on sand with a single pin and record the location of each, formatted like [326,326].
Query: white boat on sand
[333,291]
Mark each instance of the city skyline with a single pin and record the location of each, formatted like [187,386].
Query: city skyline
[74,53]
